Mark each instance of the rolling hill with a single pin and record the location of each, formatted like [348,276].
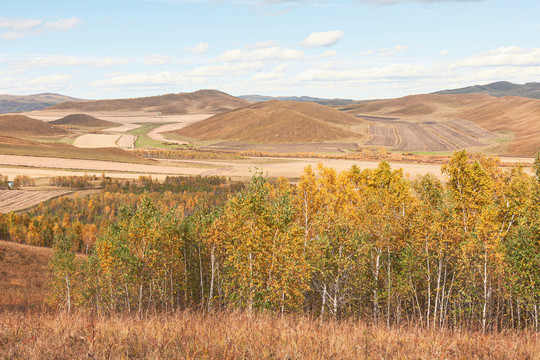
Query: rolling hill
[199,102]
[19,103]
[84,121]
[518,115]
[499,89]
[278,122]
[23,126]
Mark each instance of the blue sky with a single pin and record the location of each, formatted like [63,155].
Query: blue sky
[359,49]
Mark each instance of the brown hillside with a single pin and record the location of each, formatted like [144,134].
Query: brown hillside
[24,275]
[422,106]
[23,126]
[202,101]
[277,122]
[514,114]
[84,120]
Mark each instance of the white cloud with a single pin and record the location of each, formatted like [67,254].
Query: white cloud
[512,55]
[268,76]
[444,52]
[389,71]
[272,53]
[50,80]
[147,79]
[226,69]
[329,53]
[18,28]
[386,52]
[200,48]
[157,59]
[42,61]
[62,24]
[318,39]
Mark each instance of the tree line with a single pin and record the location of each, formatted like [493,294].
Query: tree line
[363,243]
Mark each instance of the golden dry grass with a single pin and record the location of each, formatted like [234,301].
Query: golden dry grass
[278,122]
[31,330]
[193,334]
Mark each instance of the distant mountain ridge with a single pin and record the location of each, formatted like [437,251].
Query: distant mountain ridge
[198,102]
[20,103]
[498,89]
[322,101]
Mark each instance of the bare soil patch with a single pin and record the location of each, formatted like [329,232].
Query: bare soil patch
[96,141]
[382,136]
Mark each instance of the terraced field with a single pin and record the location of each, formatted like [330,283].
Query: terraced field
[13,200]
[105,140]
[471,129]
[460,139]
[382,136]
[415,137]
[427,135]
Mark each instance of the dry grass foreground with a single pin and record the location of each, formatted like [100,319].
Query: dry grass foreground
[192,334]
[29,330]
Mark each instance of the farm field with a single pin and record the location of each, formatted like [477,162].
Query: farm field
[382,136]
[13,200]
[459,139]
[425,135]
[414,137]
[471,129]
[290,168]
[96,141]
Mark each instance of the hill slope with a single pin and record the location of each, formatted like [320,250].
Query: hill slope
[277,122]
[518,115]
[23,126]
[499,89]
[202,101]
[16,103]
[83,120]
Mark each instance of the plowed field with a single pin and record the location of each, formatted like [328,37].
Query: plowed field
[382,136]
[415,137]
[471,129]
[459,139]
[13,200]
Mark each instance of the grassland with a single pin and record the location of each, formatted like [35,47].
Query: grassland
[146,142]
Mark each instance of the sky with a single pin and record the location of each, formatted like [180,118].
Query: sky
[354,49]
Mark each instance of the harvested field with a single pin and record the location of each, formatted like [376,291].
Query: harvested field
[471,129]
[13,200]
[283,148]
[287,167]
[415,137]
[382,136]
[126,141]
[96,141]
[461,140]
